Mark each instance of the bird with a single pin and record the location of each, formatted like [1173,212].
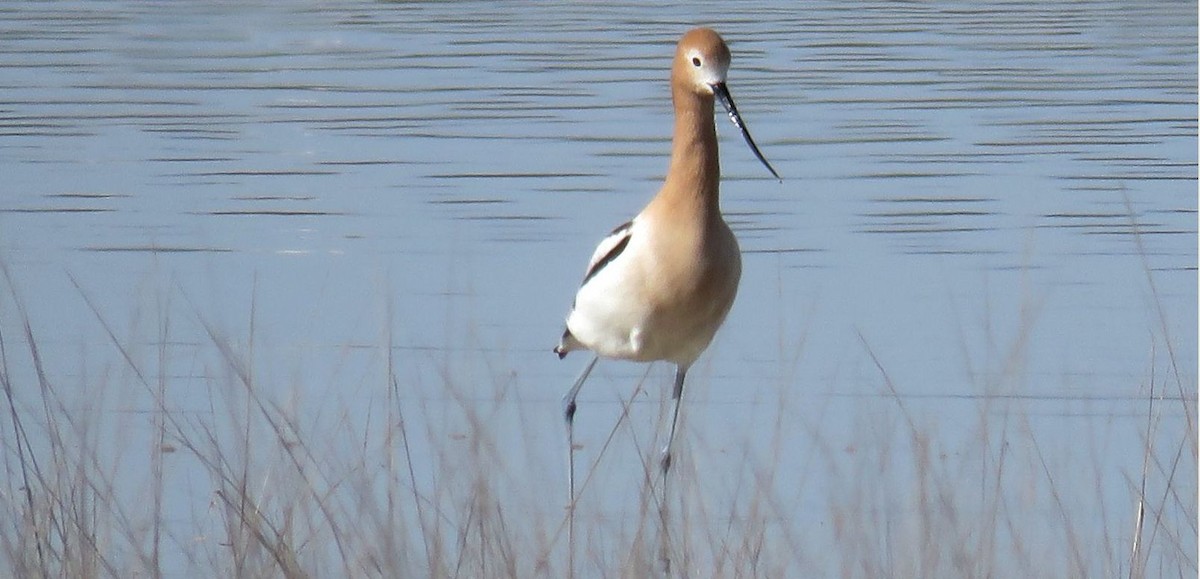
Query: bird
[659,286]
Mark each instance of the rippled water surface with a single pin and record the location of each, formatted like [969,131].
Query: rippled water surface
[985,206]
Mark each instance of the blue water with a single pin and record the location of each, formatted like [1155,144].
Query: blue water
[987,224]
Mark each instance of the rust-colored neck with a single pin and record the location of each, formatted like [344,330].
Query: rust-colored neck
[695,171]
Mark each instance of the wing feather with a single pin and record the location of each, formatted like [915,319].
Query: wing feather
[610,247]
[608,250]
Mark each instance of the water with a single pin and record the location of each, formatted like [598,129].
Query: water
[993,203]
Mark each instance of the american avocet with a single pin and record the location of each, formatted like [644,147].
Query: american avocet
[659,286]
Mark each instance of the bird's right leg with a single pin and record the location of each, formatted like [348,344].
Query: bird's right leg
[569,407]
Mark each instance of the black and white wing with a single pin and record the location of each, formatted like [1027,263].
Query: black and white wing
[609,249]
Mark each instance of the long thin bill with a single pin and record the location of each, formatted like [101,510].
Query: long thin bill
[727,101]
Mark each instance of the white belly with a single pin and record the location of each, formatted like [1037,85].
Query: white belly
[627,312]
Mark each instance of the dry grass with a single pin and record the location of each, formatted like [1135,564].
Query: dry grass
[137,472]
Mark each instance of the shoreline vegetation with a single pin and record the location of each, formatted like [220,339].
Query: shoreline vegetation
[298,488]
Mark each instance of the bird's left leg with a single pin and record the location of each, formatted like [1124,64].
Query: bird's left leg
[677,398]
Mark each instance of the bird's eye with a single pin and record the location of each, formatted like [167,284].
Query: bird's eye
[696,61]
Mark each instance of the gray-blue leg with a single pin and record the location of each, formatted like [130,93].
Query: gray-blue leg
[569,407]
[677,398]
